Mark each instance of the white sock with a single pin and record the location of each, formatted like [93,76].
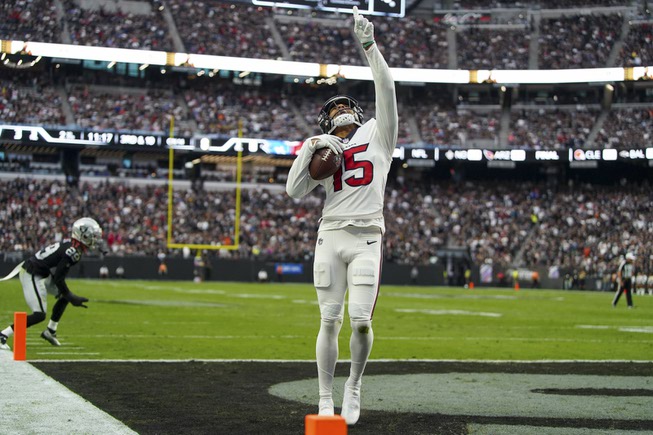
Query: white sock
[360,345]
[53,325]
[7,332]
[326,352]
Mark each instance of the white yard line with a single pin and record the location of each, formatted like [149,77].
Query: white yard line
[381,338]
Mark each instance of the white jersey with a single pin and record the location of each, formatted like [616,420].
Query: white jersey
[355,194]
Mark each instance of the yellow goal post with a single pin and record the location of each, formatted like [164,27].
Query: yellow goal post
[170,243]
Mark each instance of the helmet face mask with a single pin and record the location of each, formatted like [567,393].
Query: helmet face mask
[328,124]
[88,232]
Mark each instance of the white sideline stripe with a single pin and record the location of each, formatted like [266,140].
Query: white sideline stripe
[380,360]
[67,353]
[267,337]
[203,337]
[448,312]
[32,402]
[642,329]
[565,340]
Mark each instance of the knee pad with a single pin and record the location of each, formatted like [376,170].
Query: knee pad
[332,312]
[331,326]
[361,326]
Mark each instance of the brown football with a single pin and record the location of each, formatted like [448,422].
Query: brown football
[324,164]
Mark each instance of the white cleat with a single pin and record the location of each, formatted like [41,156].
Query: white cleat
[351,404]
[50,337]
[326,407]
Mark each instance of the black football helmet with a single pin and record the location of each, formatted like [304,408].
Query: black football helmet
[328,124]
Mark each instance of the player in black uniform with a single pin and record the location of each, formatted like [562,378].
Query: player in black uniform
[625,280]
[45,272]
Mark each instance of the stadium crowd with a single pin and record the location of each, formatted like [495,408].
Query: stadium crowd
[638,46]
[575,38]
[219,106]
[120,29]
[492,48]
[581,226]
[142,111]
[628,127]
[578,41]
[30,104]
[552,129]
[544,4]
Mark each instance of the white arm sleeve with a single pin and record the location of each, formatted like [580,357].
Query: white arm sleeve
[386,99]
[299,181]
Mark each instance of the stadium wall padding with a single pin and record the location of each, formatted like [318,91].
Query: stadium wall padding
[182,269]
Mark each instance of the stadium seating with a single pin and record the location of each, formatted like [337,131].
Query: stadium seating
[579,226]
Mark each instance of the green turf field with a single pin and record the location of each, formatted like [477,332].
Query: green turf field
[215,320]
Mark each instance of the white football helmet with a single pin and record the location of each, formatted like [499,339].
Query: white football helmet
[631,256]
[345,117]
[88,232]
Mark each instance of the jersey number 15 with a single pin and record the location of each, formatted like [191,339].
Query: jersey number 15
[350,164]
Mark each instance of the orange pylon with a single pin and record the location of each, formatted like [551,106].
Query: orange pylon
[20,335]
[325,425]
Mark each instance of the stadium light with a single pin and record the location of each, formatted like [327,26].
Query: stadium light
[308,69]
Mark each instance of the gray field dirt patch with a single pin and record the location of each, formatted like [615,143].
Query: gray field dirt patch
[491,394]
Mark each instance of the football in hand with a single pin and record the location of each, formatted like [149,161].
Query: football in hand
[324,164]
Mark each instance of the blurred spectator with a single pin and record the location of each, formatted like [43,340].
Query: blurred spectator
[262,275]
[104,272]
[120,272]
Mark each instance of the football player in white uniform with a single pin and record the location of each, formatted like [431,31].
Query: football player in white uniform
[349,251]
[45,272]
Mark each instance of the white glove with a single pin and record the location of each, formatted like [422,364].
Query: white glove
[325,141]
[363,29]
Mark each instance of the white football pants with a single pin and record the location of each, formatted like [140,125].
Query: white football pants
[36,290]
[348,258]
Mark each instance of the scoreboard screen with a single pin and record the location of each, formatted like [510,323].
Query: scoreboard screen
[391,8]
